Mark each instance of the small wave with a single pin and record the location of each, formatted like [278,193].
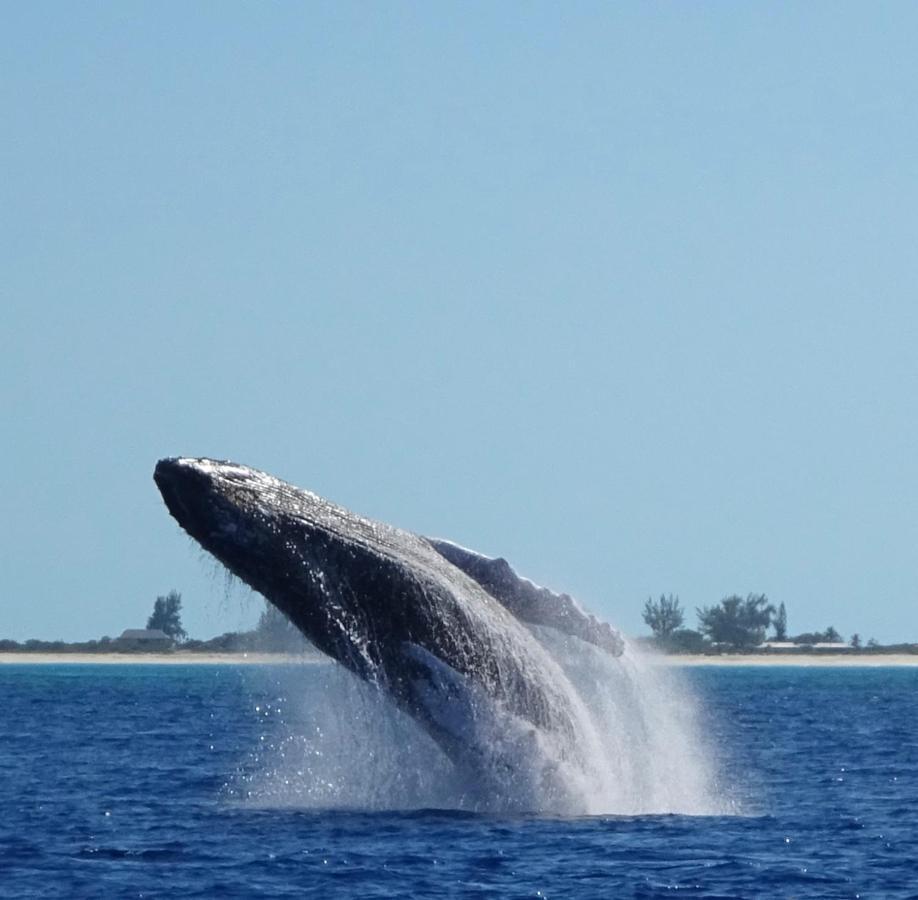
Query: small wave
[169,853]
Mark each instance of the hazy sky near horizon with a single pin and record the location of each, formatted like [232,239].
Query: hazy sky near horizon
[625,293]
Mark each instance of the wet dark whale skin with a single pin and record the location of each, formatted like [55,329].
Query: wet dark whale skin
[381,601]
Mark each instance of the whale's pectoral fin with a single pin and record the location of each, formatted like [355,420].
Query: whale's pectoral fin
[449,702]
[459,714]
[430,674]
[527,601]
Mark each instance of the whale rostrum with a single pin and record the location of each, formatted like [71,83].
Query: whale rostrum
[441,629]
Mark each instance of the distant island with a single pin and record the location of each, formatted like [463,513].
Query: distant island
[740,625]
[273,634]
[736,628]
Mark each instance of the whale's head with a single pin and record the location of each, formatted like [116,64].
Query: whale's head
[299,551]
[343,580]
[236,513]
[209,499]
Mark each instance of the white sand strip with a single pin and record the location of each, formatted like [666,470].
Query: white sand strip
[813,660]
[185,658]
[178,658]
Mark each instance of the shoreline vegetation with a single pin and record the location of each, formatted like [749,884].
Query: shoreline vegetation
[290,648]
[275,641]
[292,644]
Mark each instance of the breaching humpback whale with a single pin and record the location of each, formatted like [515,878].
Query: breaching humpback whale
[441,629]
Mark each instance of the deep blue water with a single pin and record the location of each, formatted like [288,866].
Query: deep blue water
[129,781]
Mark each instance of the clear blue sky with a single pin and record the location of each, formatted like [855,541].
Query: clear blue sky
[623,292]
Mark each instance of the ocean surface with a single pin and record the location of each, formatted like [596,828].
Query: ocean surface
[248,781]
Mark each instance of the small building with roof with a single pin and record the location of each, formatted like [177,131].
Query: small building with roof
[144,639]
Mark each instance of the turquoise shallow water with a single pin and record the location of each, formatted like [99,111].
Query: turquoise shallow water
[143,781]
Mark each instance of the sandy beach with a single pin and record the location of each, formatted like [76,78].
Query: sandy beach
[180,658]
[803,660]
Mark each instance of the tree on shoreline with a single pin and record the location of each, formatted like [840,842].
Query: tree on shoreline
[780,623]
[664,616]
[737,622]
[167,616]
[829,636]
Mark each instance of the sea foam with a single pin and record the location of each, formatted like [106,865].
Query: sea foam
[334,741]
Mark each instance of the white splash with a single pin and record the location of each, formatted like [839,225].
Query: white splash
[340,743]
[650,755]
